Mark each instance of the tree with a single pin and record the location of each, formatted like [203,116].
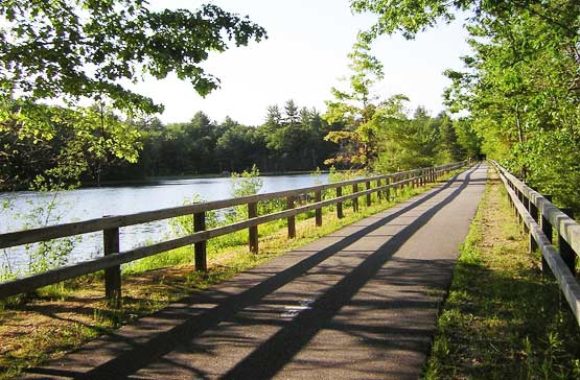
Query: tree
[468,139]
[355,108]
[294,139]
[410,17]
[292,113]
[408,143]
[236,149]
[449,148]
[83,48]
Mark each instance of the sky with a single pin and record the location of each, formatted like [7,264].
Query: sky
[304,56]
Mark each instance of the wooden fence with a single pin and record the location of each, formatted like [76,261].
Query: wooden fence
[111,261]
[543,220]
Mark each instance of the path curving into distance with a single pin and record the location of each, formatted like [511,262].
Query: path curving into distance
[360,303]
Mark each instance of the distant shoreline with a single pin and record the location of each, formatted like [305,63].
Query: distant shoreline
[157,179]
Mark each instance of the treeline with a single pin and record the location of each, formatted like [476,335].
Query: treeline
[49,147]
[91,145]
[291,139]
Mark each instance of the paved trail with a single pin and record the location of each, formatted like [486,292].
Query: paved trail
[360,303]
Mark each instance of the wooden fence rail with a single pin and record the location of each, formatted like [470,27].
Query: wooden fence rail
[541,219]
[384,186]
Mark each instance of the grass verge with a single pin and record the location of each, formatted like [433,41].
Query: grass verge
[502,319]
[60,318]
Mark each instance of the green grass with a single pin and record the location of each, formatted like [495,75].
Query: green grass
[503,319]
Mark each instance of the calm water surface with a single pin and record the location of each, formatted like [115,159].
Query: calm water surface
[91,203]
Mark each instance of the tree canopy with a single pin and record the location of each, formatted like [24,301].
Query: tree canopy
[85,48]
[520,86]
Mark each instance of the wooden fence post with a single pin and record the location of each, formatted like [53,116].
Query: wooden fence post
[113,274]
[318,214]
[526,202]
[533,210]
[200,247]
[369,198]
[521,200]
[253,231]
[510,200]
[388,182]
[379,192]
[547,230]
[516,212]
[291,219]
[401,186]
[339,213]
[355,199]
[566,251]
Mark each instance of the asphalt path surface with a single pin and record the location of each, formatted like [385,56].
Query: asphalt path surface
[360,303]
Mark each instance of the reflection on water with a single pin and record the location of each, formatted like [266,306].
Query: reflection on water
[92,203]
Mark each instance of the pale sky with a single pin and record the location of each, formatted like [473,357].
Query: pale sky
[304,56]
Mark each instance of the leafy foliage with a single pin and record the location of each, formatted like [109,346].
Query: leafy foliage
[53,147]
[378,135]
[49,254]
[246,183]
[359,110]
[83,48]
[520,86]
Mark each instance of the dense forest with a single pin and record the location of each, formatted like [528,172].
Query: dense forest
[291,139]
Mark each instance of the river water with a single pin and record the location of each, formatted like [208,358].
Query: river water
[23,210]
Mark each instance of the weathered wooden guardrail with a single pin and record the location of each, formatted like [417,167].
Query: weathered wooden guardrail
[112,258]
[541,218]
